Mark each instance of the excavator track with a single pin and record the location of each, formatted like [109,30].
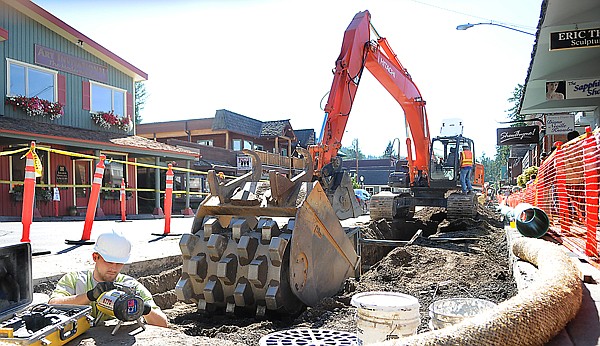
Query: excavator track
[384,205]
[460,206]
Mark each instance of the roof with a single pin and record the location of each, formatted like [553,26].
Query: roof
[305,137]
[562,65]
[275,128]
[65,135]
[234,122]
[53,23]
[227,120]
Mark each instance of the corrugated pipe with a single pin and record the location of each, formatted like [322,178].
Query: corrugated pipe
[531,221]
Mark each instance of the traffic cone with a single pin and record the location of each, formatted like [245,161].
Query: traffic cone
[28,194]
[168,202]
[92,204]
[123,200]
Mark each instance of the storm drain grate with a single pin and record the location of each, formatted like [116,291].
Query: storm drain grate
[309,337]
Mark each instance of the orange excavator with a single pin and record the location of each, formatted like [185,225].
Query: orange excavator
[276,246]
[432,169]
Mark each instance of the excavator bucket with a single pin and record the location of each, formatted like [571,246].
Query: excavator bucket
[264,246]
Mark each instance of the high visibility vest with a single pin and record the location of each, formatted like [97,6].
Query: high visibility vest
[466,158]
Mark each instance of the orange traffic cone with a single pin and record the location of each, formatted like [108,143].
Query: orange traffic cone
[168,202]
[92,204]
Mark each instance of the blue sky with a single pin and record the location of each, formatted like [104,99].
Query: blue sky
[272,60]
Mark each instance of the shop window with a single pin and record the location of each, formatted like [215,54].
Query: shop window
[31,81]
[114,172]
[105,99]
[208,142]
[18,168]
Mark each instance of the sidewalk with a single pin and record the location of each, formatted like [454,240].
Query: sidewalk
[55,257]
[584,330]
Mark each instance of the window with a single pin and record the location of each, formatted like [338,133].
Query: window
[31,81]
[259,147]
[248,145]
[236,144]
[106,99]
[208,142]
[114,172]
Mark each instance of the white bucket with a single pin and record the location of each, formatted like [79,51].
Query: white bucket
[446,312]
[385,316]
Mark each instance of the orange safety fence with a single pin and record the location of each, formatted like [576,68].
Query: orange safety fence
[567,190]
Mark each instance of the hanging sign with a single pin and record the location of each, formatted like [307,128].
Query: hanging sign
[518,135]
[559,124]
[575,39]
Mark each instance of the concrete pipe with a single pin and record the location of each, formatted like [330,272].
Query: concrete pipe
[531,221]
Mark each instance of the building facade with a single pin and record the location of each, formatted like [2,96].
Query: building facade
[75,100]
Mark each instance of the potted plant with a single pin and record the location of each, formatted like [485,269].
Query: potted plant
[72,209]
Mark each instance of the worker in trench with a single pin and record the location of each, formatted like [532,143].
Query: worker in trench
[111,252]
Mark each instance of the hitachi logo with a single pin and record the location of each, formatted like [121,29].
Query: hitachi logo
[388,68]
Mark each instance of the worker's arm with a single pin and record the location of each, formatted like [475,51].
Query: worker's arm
[80,299]
[156,317]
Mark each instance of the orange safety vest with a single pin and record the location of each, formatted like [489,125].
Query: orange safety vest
[466,158]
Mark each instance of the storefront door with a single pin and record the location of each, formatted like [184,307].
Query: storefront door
[83,178]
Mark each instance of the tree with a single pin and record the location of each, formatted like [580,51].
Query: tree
[389,150]
[493,168]
[140,100]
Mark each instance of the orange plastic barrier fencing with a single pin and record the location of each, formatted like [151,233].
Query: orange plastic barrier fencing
[567,189]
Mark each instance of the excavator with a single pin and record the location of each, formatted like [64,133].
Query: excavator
[276,246]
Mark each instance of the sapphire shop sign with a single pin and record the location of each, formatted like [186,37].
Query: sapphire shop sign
[518,135]
[575,39]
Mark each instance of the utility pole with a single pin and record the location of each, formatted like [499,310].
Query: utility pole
[356,152]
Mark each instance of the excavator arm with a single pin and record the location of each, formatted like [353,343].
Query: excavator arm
[359,51]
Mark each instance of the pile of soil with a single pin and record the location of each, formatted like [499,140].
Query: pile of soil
[459,258]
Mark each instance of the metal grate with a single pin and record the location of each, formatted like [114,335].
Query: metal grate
[309,337]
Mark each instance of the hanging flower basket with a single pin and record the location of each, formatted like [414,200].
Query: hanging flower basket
[35,106]
[108,120]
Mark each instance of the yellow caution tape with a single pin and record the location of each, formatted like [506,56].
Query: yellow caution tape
[13,151]
[37,164]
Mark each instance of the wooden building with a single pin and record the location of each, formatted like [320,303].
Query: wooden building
[75,99]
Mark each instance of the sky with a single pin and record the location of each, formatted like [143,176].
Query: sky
[273,59]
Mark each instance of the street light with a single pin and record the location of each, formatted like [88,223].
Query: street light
[469,25]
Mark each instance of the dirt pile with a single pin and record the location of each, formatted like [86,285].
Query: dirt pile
[461,258]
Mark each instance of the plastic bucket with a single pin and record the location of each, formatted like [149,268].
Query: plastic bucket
[446,312]
[531,221]
[384,316]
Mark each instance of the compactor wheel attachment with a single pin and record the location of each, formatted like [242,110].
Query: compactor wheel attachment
[240,266]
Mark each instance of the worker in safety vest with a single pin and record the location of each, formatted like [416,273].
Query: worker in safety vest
[466,167]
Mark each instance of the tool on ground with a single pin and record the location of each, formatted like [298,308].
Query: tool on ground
[124,304]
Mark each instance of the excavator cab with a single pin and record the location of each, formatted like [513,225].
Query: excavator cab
[445,161]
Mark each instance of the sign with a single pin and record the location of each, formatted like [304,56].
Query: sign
[62,175]
[559,124]
[583,88]
[56,194]
[518,135]
[575,39]
[244,163]
[69,63]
